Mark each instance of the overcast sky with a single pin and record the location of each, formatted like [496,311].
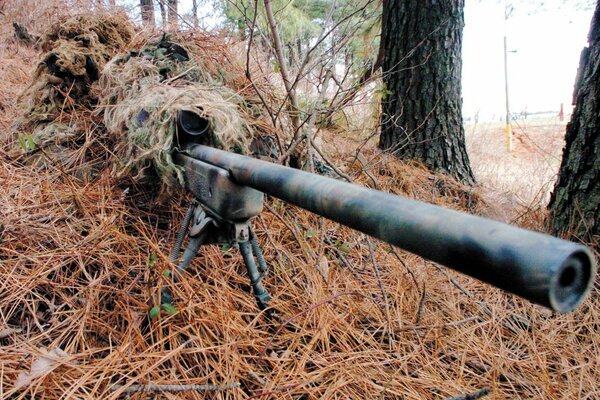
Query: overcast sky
[541,71]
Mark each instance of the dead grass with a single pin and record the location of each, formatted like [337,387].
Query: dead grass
[81,262]
[521,180]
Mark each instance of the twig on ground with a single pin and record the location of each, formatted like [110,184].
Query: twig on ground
[471,396]
[410,272]
[154,388]
[381,287]
[421,308]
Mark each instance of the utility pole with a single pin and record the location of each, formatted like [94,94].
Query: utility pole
[508,127]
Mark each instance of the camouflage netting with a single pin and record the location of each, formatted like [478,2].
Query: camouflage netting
[77,48]
[141,94]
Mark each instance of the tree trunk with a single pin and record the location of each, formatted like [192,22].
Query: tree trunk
[173,16]
[195,13]
[575,203]
[422,112]
[147,11]
[163,13]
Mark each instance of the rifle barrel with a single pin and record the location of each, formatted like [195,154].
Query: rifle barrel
[543,269]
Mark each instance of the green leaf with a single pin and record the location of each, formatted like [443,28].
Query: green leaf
[30,142]
[22,143]
[167,273]
[384,91]
[169,308]
[154,311]
[225,248]
[345,247]
[27,143]
[311,233]
[152,259]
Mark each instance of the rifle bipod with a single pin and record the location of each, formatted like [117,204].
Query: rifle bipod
[208,228]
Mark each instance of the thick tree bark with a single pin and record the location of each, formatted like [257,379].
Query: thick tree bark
[575,203]
[173,16]
[422,114]
[147,10]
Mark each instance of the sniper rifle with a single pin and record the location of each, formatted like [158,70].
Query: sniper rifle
[229,190]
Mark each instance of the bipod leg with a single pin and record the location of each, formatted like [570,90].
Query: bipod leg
[259,291]
[188,255]
[201,224]
[183,230]
[262,265]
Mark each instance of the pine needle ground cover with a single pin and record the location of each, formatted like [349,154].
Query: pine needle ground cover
[83,257]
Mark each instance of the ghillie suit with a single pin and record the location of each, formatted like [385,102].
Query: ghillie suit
[141,94]
[97,105]
[77,48]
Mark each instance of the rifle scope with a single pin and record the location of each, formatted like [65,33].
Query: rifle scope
[191,126]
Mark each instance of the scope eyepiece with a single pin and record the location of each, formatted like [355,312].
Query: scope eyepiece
[191,126]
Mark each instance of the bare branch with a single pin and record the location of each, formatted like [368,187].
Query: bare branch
[154,388]
[283,68]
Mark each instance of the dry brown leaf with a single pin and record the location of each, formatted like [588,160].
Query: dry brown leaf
[323,268]
[44,364]
[8,331]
